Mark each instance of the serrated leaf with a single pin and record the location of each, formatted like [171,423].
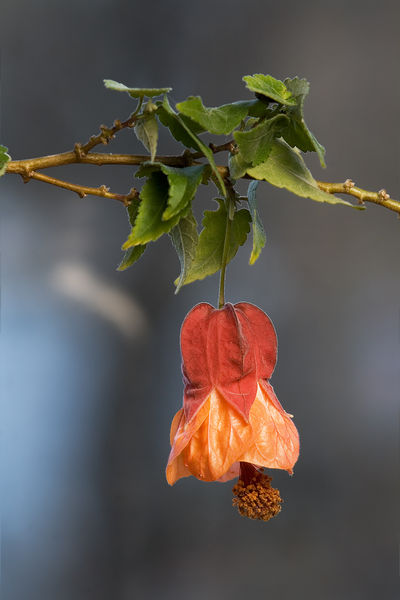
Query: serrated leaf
[237,165]
[259,237]
[169,119]
[4,159]
[184,237]
[149,225]
[255,145]
[146,130]
[297,133]
[183,184]
[198,144]
[208,258]
[268,86]
[131,256]
[132,210]
[219,120]
[135,92]
[285,168]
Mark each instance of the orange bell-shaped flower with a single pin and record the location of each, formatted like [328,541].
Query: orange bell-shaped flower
[231,422]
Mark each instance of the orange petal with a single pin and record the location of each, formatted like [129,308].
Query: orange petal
[176,469]
[180,435]
[182,431]
[216,445]
[276,440]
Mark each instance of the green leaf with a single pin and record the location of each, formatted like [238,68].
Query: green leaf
[132,210]
[259,237]
[184,237]
[131,256]
[146,130]
[297,133]
[198,144]
[255,145]
[285,168]
[149,225]
[4,159]
[168,118]
[183,184]
[237,165]
[269,87]
[208,258]
[135,92]
[219,120]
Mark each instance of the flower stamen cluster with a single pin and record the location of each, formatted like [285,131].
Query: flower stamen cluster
[256,499]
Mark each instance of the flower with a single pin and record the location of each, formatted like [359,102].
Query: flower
[231,423]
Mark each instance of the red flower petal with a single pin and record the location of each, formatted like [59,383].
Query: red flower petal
[229,350]
[263,337]
[195,366]
[232,359]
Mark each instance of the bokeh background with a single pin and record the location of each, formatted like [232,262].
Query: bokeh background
[90,356]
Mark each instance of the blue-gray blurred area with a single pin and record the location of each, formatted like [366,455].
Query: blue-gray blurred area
[90,356]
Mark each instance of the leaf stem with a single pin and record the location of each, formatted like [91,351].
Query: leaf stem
[221,293]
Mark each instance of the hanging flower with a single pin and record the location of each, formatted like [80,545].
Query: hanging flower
[232,424]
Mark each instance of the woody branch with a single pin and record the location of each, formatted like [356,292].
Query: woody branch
[82,153]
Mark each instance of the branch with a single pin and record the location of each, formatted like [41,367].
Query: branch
[83,190]
[81,154]
[348,187]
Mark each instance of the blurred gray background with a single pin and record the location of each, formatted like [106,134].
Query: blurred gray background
[90,356]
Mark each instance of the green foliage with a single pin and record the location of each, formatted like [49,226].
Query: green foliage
[149,224]
[184,237]
[146,130]
[271,88]
[169,119]
[259,237]
[4,158]
[267,135]
[238,165]
[183,184]
[297,133]
[255,144]
[198,144]
[219,120]
[135,92]
[131,256]
[208,258]
[285,168]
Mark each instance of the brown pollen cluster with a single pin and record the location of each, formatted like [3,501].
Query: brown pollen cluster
[254,496]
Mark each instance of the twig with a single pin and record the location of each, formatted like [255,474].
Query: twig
[28,168]
[348,187]
[83,190]
[108,133]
